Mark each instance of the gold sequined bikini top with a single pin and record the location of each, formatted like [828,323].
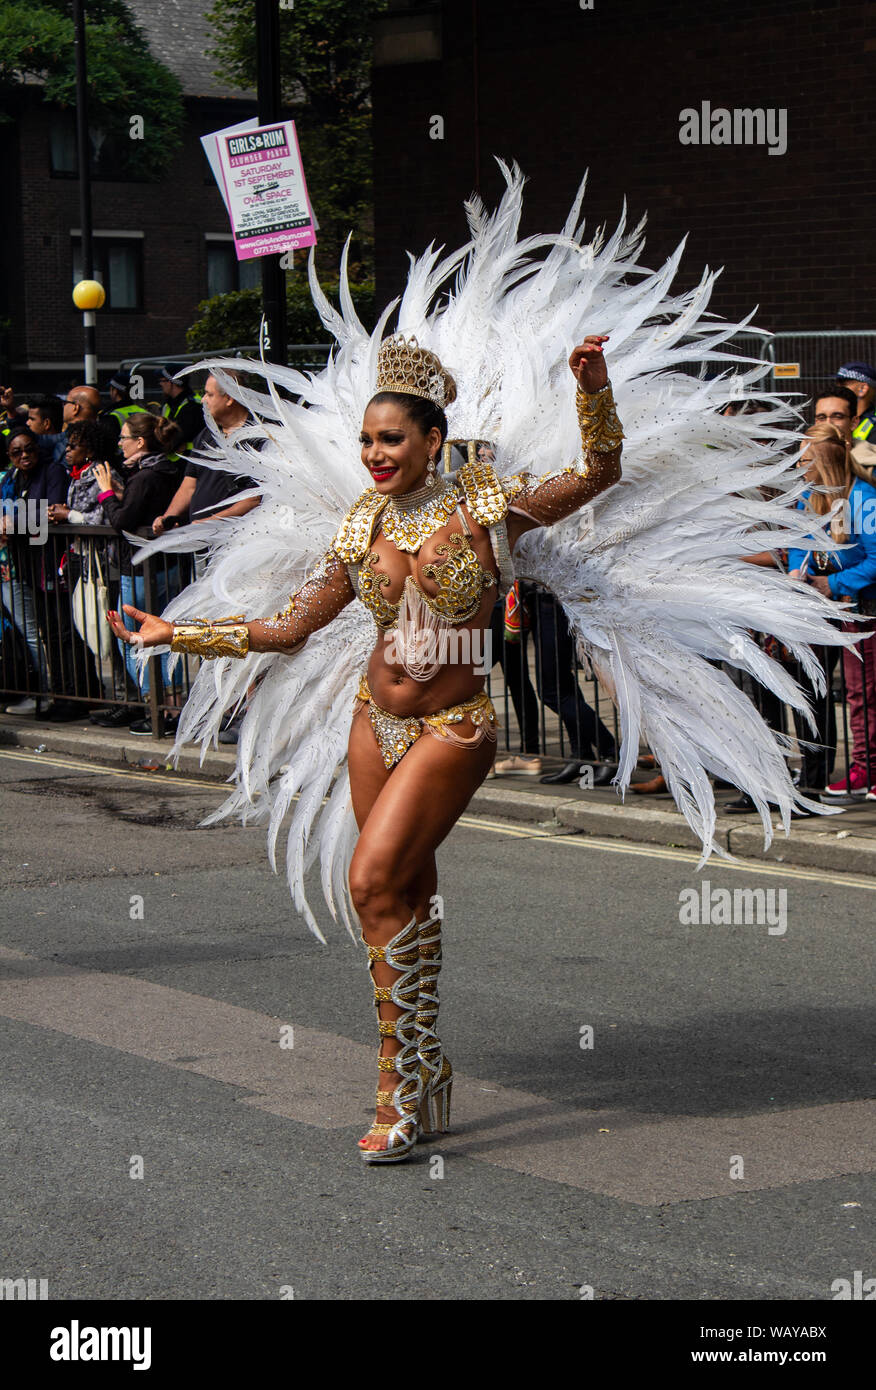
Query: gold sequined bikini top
[460,578]
[461,584]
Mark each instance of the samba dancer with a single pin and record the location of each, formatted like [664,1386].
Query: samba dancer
[424,554]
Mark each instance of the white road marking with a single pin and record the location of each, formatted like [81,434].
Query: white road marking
[573,840]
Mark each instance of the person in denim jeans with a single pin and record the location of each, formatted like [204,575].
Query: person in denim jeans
[151,480]
[849,573]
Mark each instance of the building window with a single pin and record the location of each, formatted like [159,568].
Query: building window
[110,154]
[408,33]
[62,147]
[225,272]
[118,266]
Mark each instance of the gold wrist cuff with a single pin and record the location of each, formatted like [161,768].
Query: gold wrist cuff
[600,428]
[212,637]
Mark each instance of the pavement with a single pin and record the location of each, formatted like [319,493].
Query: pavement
[843,840]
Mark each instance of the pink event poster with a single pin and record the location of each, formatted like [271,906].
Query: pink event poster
[262,182]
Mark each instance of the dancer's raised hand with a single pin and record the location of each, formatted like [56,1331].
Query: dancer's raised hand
[588,363]
[153,632]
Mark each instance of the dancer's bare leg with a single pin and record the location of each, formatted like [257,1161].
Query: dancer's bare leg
[403,816]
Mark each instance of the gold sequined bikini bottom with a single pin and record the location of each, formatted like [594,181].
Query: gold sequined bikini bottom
[395,733]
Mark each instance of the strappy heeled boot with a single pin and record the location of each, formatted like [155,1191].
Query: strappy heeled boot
[401,954]
[435,1068]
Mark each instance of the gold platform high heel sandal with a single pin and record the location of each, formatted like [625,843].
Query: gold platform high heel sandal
[401,954]
[435,1069]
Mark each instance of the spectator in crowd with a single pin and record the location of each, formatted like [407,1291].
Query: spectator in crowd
[847,574]
[11,415]
[11,419]
[87,446]
[837,409]
[121,405]
[825,457]
[45,419]
[860,379]
[152,476]
[30,477]
[24,574]
[557,684]
[204,492]
[181,405]
[82,403]
[508,623]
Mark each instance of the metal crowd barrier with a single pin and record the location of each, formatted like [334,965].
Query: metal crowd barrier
[804,364]
[56,646]
[549,705]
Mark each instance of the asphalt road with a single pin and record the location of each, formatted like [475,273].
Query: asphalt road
[710,1138]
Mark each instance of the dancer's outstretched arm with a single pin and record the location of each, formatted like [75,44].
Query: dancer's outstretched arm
[311,607]
[540,501]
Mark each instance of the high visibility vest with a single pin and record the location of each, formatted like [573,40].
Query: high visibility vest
[121,412]
[170,412]
[864,427]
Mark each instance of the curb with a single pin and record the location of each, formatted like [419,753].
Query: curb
[835,851]
[91,744]
[802,848]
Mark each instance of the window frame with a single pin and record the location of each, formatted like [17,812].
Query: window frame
[225,239]
[103,241]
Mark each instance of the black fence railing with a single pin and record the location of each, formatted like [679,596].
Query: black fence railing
[56,647]
[57,652]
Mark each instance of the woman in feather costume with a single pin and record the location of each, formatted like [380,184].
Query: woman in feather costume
[655,591]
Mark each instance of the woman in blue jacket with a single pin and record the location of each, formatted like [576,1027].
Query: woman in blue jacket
[847,505]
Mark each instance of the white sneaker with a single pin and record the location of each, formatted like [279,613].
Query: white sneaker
[26,706]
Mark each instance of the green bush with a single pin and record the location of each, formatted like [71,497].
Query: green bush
[232,320]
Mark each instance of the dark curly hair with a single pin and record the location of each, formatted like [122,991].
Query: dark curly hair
[94,439]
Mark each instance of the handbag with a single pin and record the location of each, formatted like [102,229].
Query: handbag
[90,607]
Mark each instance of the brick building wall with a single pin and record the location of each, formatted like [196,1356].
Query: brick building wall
[562,89]
[36,264]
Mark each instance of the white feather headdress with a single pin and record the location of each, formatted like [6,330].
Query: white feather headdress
[654,584]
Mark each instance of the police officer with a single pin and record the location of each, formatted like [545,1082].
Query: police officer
[181,405]
[860,379]
[121,406]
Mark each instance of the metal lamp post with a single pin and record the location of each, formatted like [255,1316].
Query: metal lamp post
[267,16]
[84,158]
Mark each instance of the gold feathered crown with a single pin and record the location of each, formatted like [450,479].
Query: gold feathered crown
[402,365]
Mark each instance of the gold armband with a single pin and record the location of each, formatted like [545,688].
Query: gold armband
[212,637]
[600,428]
